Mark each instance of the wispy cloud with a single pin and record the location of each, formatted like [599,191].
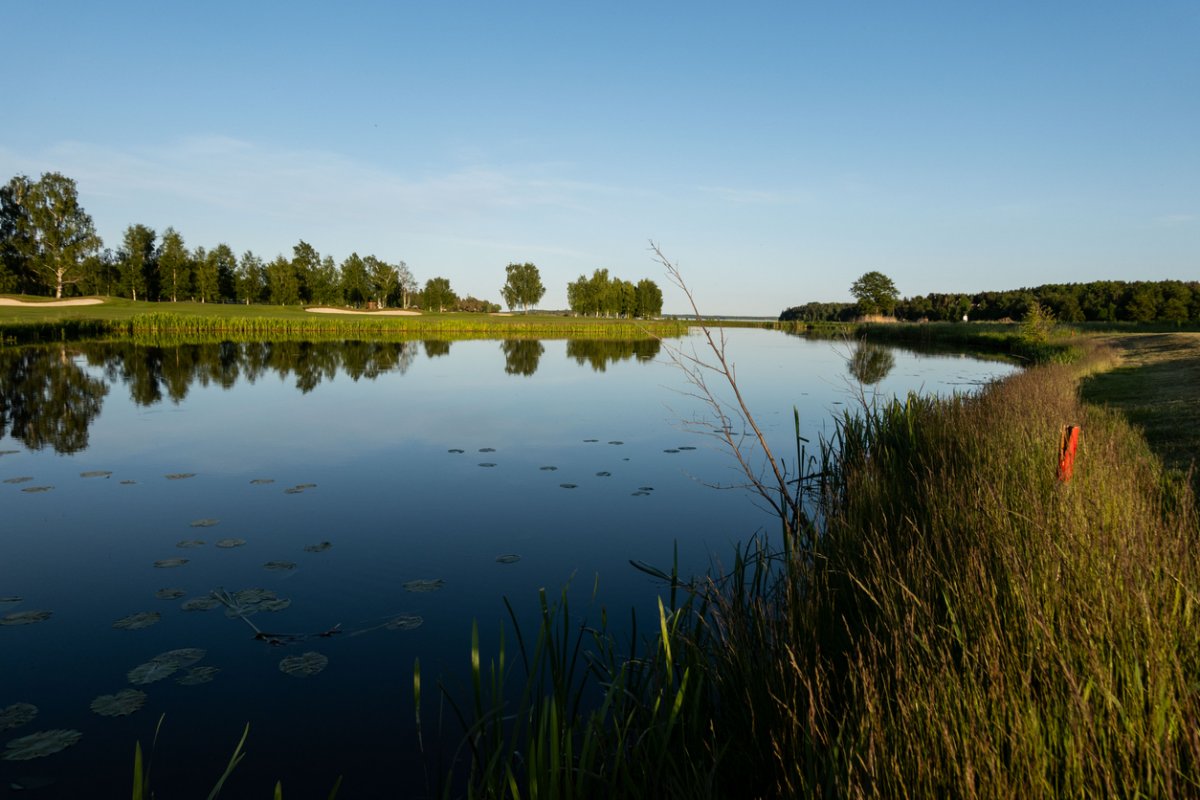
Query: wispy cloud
[1177,220]
[760,197]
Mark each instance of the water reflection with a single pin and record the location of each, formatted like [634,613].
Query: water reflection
[46,399]
[521,356]
[600,353]
[870,363]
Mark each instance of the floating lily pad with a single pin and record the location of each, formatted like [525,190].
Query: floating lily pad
[303,666]
[247,602]
[171,593]
[404,622]
[487,464]
[640,493]
[279,604]
[169,563]
[9,452]
[203,603]
[226,544]
[17,714]
[591,441]
[670,450]
[487,449]
[549,469]
[261,481]
[569,485]
[151,672]
[455,450]
[686,447]
[424,585]
[189,543]
[128,483]
[320,547]
[279,565]
[135,622]
[616,442]
[182,657]
[121,704]
[252,596]
[36,489]
[10,600]
[508,558]
[645,488]
[603,474]
[204,523]
[20,479]
[25,617]
[179,476]
[40,744]
[96,473]
[198,675]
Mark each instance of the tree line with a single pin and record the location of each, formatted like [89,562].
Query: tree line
[48,243]
[1095,301]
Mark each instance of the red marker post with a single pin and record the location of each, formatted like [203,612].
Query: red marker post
[1068,442]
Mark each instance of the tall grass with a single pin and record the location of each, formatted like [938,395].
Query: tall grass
[963,625]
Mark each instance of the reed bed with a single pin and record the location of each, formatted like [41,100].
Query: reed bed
[964,625]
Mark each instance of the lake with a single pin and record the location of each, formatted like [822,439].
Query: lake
[382,496]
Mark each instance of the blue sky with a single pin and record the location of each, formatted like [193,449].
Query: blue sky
[776,151]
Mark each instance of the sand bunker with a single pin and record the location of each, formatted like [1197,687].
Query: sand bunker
[78,301]
[387,312]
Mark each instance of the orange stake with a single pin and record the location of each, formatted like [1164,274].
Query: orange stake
[1067,444]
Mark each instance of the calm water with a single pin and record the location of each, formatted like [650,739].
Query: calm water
[427,461]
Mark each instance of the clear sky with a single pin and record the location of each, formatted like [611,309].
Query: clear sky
[776,151]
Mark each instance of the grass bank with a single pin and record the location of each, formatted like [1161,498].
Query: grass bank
[124,318]
[964,625]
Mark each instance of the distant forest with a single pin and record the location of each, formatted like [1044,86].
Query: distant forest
[1097,301]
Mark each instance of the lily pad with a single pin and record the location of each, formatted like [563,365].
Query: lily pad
[19,479]
[226,544]
[10,600]
[424,585]
[508,558]
[204,523]
[569,485]
[40,744]
[640,493]
[171,593]
[616,441]
[549,469]
[320,547]
[603,474]
[121,704]
[179,476]
[303,666]
[645,488]
[198,675]
[455,450]
[591,441]
[670,450]
[278,604]
[404,622]
[170,563]
[486,464]
[188,543]
[305,486]
[36,489]
[261,481]
[279,565]
[9,452]
[17,714]
[252,596]
[487,449]
[128,483]
[135,622]
[25,617]
[183,657]
[96,473]
[151,672]
[686,447]
[202,603]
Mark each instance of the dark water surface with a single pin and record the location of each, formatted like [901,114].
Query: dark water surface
[424,460]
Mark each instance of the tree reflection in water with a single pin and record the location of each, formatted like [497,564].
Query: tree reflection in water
[600,352]
[521,356]
[46,399]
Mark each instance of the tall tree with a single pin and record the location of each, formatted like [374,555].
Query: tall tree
[14,229]
[875,292]
[54,234]
[250,282]
[174,265]
[408,284]
[356,283]
[325,283]
[649,299]
[282,282]
[384,279]
[523,286]
[438,294]
[136,260]
[226,271]
[306,262]
[208,285]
